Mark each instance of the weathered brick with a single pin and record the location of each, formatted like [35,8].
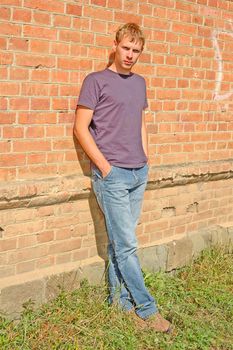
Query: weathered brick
[22,15]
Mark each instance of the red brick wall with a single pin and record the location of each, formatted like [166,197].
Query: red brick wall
[47,48]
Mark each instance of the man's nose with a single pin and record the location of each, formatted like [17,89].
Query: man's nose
[130,53]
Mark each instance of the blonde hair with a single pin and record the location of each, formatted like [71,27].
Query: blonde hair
[132,30]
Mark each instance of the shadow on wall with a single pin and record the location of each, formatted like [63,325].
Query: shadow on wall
[96,213]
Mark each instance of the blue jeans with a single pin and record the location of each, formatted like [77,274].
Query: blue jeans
[120,196]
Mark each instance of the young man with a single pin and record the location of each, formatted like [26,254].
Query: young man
[111,129]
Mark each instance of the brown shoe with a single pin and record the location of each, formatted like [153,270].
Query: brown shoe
[155,322]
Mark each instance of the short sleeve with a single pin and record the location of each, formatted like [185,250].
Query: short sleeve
[89,93]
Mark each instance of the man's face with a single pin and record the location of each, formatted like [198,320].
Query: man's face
[127,53]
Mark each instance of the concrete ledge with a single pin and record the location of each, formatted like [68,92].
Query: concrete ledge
[50,191]
[165,257]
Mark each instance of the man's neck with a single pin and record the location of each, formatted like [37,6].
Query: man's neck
[116,69]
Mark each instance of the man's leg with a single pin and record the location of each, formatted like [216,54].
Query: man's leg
[115,197]
[118,293]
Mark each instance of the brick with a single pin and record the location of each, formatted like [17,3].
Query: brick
[10,29]
[75,10]
[64,246]
[4,73]
[27,254]
[60,48]
[70,156]
[55,223]
[55,158]
[102,40]
[12,160]
[69,35]
[45,262]
[45,211]
[11,2]
[22,15]
[52,6]
[19,103]
[6,58]
[42,18]
[81,23]
[64,258]
[7,174]
[63,144]
[39,89]
[98,26]
[19,74]
[16,132]
[156,23]
[34,132]
[37,118]
[99,2]
[37,172]
[55,131]
[70,90]
[62,21]
[45,236]
[22,215]
[36,158]
[87,38]
[7,244]
[8,89]
[60,76]
[28,228]
[5,13]
[98,13]
[35,61]
[40,104]
[64,233]
[40,75]
[60,103]
[130,6]
[3,43]
[18,44]
[117,4]
[126,17]
[30,146]
[39,32]
[26,241]
[169,72]
[25,267]
[3,103]
[39,46]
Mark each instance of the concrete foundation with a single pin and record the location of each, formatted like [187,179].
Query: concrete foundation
[165,257]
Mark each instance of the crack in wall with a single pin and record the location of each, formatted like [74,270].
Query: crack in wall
[69,196]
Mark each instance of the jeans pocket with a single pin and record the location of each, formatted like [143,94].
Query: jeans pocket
[108,175]
[96,172]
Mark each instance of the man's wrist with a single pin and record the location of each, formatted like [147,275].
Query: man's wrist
[105,168]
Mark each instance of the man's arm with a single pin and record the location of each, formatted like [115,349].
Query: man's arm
[83,117]
[144,135]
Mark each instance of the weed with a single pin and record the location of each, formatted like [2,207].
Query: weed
[197,299]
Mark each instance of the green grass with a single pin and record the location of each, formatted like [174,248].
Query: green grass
[198,299]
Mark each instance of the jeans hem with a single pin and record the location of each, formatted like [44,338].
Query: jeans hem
[146,315]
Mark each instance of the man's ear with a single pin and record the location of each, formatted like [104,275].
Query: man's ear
[114,46]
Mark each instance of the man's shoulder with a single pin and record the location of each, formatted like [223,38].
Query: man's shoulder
[139,77]
[95,75]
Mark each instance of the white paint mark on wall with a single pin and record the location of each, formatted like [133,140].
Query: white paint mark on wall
[218,56]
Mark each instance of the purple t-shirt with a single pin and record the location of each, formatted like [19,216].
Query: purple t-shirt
[117,101]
